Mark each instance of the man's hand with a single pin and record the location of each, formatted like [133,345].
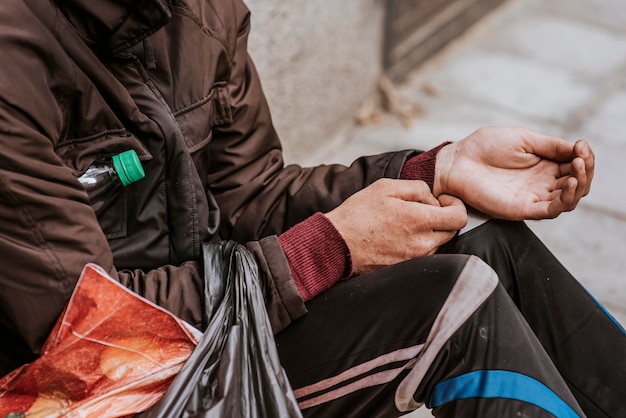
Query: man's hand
[396,220]
[515,173]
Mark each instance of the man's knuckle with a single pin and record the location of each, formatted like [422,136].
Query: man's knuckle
[383,183]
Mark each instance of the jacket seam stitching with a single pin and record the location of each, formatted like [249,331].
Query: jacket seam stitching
[81,140]
[195,105]
[37,236]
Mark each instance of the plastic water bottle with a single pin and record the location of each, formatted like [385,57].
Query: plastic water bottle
[104,178]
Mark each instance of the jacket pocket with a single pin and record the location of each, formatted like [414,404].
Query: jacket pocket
[79,153]
[197,121]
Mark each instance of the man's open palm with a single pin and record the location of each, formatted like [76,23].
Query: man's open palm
[515,173]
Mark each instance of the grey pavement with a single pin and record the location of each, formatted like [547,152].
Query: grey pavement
[556,66]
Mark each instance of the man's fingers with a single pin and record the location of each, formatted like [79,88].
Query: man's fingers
[448,200]
[583,150]
[581,164]
[451,216]
[565,169]
[582,182]
[413,200]
[560,200]
[549,147]
[577,170]
[577,160]
[439,238]
[409,190]
[560,182]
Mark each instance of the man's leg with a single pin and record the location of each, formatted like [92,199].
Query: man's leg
[388,339]
[585,343]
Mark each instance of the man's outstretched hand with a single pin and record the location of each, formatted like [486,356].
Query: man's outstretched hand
[508,173]
[515,173]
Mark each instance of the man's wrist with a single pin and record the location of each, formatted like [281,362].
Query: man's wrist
[443,165]
[422,166]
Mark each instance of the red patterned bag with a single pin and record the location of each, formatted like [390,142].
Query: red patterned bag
[110,354]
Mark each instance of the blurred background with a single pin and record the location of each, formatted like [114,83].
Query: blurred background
[365,76]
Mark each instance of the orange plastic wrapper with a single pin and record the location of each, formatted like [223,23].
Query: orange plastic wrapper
[110,354]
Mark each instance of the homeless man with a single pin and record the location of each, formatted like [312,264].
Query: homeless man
[401,310]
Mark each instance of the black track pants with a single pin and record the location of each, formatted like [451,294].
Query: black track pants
[506,332]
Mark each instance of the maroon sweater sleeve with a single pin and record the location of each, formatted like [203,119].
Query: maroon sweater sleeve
[318,255]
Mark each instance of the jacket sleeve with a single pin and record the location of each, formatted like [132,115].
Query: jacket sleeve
[259,196]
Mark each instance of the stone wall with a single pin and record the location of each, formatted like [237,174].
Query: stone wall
[318,61]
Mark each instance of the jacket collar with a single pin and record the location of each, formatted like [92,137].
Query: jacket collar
[115,25]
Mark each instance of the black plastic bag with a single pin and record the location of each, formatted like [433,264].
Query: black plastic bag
[234,371]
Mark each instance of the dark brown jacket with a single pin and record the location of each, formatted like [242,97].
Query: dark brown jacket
[83,79]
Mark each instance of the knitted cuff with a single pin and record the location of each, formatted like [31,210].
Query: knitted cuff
[422,166]
[317,254]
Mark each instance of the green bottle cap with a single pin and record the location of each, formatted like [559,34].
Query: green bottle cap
[128,167]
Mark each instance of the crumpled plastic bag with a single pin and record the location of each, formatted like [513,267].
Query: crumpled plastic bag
[235,370]
[110,354]
[113,353]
